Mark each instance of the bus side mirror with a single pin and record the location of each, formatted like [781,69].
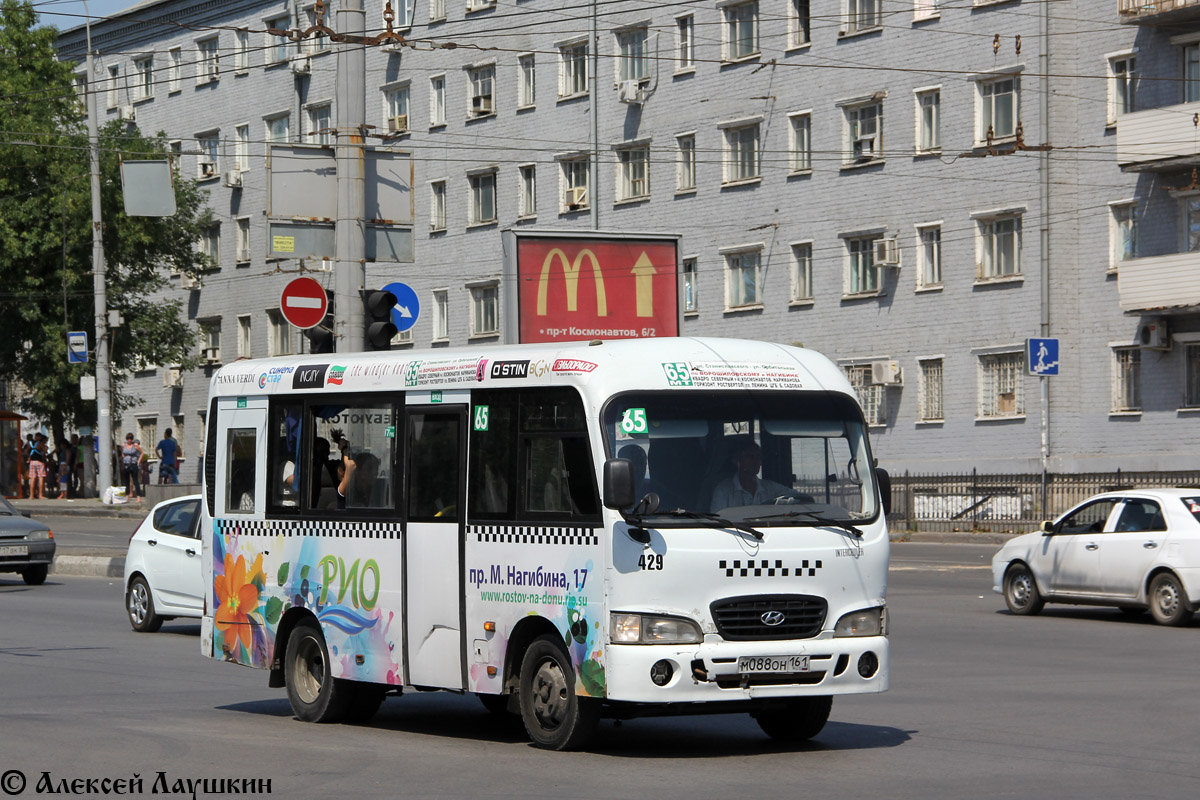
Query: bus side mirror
[885,489]
[618,484]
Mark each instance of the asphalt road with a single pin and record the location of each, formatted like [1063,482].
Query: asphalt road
[81,534]
[1076,703]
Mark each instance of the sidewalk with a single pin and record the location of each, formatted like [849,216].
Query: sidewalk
[81,508]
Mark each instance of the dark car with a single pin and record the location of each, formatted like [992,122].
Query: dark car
[26,545]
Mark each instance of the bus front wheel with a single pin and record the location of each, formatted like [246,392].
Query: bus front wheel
[315,695]
[798,721]
[555,717]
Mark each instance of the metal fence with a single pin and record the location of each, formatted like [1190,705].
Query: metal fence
[976,502]
[1145,7]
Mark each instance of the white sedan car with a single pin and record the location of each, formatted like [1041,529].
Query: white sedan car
[1136,550]
[162,565]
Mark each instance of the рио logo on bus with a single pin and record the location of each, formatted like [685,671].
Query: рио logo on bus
[510,369]
[572,365]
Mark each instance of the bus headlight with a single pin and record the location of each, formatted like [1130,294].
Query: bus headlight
[868,622]
[646,629]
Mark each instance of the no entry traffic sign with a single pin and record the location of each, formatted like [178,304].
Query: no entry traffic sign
[304,303]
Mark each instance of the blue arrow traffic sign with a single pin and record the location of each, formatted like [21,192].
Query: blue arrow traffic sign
[407,308]
[1042,356]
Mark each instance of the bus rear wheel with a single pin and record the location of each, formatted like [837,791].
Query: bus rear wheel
[798,720]
[555,717]
[315,695]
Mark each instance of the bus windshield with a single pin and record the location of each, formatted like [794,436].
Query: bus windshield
[770,458]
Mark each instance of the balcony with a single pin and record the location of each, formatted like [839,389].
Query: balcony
[1159,139]
[1158,12]
[1160,283]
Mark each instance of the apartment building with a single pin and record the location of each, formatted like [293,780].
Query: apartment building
[866,178]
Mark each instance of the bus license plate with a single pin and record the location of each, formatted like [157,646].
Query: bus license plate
[14,550]
[760,664]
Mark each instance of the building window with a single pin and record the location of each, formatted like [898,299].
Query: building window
[484,311]
[575,184]
[870,395]
[244,340]
[685,162]
[395,109]
[113,92]
[437,101]
[925,9]
[1191,377]
[483,198]
[483,80]
[801,279]
[799,23]
[1000,390]
[929,121]
[1191,73]
[206,163]
[1122,233]
[743,279]
[929,390]
[929,256]
[685,43]
[278,48]
[148,433]
[741,153]
[741,31]
[632,64]
[633,173]
[864,132]
[320,124]
[210,339]
[1127,379]
[527,207]
[1122,86]
[437,10]
[690,287]
[143,70]
[861,15]
[573,69]
[437,206]
[279,129]
[1190,207]
[174,70]
[279,342]
[319,43]
[997,109]
[210,244]
[999,247]
[241,53]
[862,276]
[441,315]
[800,142]
[243,240]
[526,82]
[208,64]
[241,147]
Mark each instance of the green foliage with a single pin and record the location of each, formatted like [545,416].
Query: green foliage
[46,284]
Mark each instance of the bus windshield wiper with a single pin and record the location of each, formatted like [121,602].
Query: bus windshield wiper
[713,521]
[816,519]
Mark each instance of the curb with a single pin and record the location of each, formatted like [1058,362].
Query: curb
[89,566]
[949,537]
[98,511]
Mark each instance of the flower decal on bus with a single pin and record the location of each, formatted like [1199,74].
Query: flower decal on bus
[237,614]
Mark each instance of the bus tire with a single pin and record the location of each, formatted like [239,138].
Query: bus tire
[315,695]
[799,720]
[555,717]
[365,700]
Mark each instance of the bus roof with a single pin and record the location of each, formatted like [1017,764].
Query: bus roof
[608,366]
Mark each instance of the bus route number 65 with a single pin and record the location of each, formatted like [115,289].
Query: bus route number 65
[634,420]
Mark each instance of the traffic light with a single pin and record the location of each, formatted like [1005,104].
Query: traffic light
[320,337]
[380,328]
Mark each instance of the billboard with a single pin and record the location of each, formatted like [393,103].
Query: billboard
[597,286]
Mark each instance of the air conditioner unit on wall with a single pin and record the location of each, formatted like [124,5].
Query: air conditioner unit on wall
[398,123]
[1153,334]
[172,377]
[631,92]
[576,197]
[887,252]
[481,104]
[302,66]
[233,178]
[127,113]
[212,354]
[208,169]
[886,373]
[864,148]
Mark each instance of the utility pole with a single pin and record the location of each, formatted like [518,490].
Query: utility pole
[349,275]
[103,371]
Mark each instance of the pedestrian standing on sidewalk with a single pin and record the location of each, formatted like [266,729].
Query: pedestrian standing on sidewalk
[131,468]
[63,456]
[75,465]
[168,453]
[37,468]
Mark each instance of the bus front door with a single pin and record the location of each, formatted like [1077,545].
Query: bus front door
[434,552]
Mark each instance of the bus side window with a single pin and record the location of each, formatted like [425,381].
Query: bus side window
[493,455]
[433,467]
[285,472]
[240,468]
[558,475]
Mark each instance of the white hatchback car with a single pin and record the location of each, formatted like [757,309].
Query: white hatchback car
[162,565]
[1136,550]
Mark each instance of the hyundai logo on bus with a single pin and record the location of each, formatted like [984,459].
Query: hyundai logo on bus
[772,618]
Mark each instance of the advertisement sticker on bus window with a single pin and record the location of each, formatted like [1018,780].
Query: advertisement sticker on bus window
[435,397]
[634,420]
[389,432]
[241,402]
[481,418]
[678,373]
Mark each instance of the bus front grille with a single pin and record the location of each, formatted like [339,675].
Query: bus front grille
[766,617]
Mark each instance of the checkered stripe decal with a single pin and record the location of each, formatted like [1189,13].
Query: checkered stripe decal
[528,534]
[330,529]
[766,567]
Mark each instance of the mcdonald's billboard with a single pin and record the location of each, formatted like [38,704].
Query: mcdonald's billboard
[596,287]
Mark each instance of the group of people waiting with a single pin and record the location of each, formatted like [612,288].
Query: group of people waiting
[56,473]
[135,464]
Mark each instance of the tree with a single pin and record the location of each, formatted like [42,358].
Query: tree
[46,286]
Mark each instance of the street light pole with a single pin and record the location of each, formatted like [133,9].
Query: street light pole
[349,274]
[99,279]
